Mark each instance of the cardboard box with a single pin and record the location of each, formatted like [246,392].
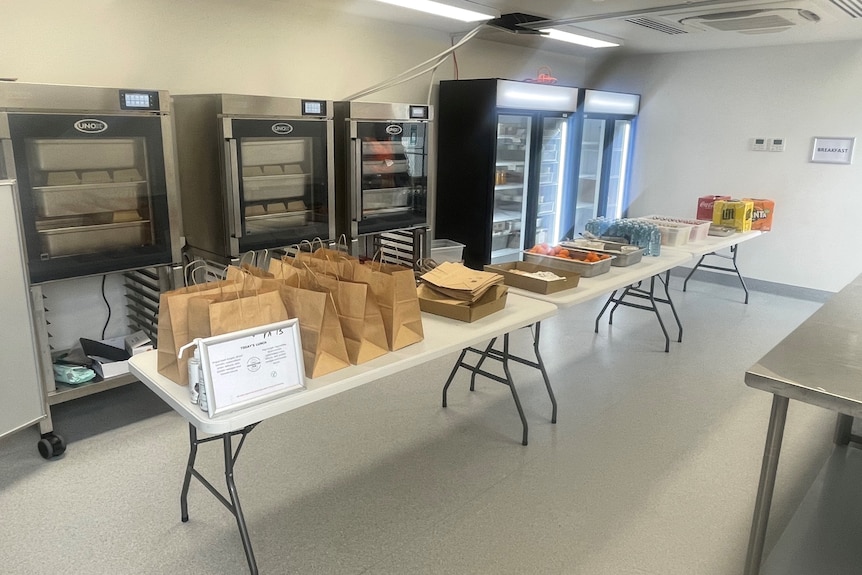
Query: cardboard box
[761,217]
[491,301]
[705,205]
[137,342]
[734,213]
[570,279]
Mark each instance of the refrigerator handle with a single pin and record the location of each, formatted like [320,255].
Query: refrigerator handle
[231,160]
[356,193]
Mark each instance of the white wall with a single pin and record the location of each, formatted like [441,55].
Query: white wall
[699,112]
[303,48]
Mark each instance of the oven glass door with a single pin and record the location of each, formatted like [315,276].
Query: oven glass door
[392,168]
[284,181]
[93,193]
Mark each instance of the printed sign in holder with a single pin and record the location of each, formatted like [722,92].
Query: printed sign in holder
[251,366]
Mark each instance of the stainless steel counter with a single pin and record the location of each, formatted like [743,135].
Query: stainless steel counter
[819,363]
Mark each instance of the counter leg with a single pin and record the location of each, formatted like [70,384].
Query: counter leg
[766,486]
[843,428]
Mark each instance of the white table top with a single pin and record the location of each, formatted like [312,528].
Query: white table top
[715,243]
[616,278]
[442,336]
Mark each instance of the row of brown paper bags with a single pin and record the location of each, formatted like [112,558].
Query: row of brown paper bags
[349,312]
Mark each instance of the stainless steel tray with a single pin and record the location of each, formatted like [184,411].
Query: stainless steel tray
[376,199]
[275,222]
[286,187]
[621,258]
[585,269]
[61,155]
[90,239]
[268,152]
[55,201]
[382,147]
[385,166]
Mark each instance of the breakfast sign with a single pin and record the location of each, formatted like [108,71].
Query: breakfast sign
[833,150]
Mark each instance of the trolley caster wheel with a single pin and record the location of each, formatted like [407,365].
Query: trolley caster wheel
[51,445]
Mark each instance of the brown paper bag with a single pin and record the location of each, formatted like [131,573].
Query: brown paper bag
[360,317]
[173,327]
[323,346]
[217,314]
[394,289]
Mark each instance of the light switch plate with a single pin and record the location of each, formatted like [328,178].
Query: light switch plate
[758,144]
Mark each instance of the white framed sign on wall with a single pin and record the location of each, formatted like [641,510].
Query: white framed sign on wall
[833,150]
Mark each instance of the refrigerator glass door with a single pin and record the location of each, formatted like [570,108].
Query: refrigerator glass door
[620,152]
[551,180]
[283,191]
[510,185]
[590,174]
[93,193]
[392,167]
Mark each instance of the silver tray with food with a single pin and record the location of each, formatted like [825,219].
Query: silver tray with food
[624,254]
[574,260]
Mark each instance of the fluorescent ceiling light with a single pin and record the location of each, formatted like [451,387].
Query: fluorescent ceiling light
[576,38]
[440,9]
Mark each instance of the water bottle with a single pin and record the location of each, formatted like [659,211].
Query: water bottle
[655,242]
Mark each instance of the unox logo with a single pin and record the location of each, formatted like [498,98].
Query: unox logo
[89,126]
[282,128]
[393,129]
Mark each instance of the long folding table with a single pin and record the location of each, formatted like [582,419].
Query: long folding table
[629,279]
[442,336]
[819,363]
[711,247]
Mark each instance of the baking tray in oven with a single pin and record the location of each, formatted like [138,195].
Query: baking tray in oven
[55,201]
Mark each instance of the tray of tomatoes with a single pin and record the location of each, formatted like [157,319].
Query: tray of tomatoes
[587,263]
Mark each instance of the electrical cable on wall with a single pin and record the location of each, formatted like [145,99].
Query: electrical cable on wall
[108,305]
[435,62]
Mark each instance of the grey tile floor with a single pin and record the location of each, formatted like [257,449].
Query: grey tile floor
[651,469]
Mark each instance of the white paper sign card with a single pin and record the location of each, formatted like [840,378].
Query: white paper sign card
[252,366]
[833,150]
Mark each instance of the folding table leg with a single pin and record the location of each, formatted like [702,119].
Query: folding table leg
[233,505]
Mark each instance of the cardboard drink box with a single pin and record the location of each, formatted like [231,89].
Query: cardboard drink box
[705,205]
[570,279]
[491,301]
[761,217]
[734,213]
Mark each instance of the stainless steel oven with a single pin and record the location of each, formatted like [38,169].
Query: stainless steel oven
[256,172]
[96,177]
[383,157]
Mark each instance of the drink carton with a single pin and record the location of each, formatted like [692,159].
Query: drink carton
[761,218]
[734,213]
[705,205]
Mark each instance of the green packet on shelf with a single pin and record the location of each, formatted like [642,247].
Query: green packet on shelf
[73,374]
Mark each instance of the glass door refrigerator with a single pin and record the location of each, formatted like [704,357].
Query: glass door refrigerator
[604,157]
[504,153]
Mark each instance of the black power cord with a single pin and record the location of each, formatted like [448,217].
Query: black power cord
[108,305]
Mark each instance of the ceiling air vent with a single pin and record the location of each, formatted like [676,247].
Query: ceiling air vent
[752,21]
[852,8]
[657,25]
